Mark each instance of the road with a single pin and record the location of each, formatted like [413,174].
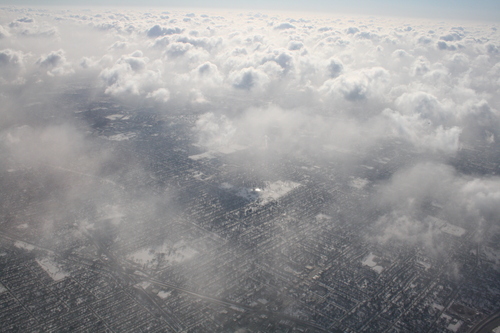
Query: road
[487,325]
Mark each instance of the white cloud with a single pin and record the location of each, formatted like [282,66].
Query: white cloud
[130,75]
[284,26]
[27,26]
[359,85]
[11,64]
[338,66]
[463,201]
[335,67]
[55,63]
[157,31]
[4,33]
[214,131]
[482,197]
[159,95]
[249,79]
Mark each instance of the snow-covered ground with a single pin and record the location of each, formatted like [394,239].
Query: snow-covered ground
[492,255]
[269,192]
[52,268]
[454,326]
[426,265]
[164,294]
[122,136]
[23,245]
[447,227]
[453,230]
[370,261]
[164,254]
[217,151]
[207,155]
[359,183]
[143,284]
[114,116]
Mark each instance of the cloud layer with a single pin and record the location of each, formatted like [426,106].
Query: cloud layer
[331,92]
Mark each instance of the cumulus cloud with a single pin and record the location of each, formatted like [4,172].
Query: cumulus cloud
[335,66]
[157,31]
[427,196]
[53,59]
[3,32]
[160,95]
[55,63]
[214,130]
[130,75]
[27,26]
[284,26]
[249,79]
[358,85]
[11,64]
[481,198]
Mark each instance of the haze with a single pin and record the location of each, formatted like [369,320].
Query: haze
[243,170]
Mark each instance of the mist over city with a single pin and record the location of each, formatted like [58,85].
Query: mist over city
[234,170]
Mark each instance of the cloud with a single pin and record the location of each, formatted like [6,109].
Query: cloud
[352,30]
[160,95]
[284,26]
[53,59]
[335,67]
[445,46]
[453,36]
[176,49]
[214,131]
[4,33]
[11,64]
[20,21]
[466,202]
[55,63]
[119,45]
[295,45]
[422,134]
[403,229]
[481,197]
[157,31]
[27,26]
[53,145]
[249,79]
[420,66]
[130,75]
[423,105]
[359,85]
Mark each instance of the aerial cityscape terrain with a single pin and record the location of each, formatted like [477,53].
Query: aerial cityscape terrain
[165,170]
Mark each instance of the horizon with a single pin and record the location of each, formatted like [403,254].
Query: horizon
[484,10]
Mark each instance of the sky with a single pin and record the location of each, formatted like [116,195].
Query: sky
[444,9]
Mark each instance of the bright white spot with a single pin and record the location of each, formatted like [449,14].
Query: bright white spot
[164,294]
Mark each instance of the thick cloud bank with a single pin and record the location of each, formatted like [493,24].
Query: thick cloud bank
[432,84]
